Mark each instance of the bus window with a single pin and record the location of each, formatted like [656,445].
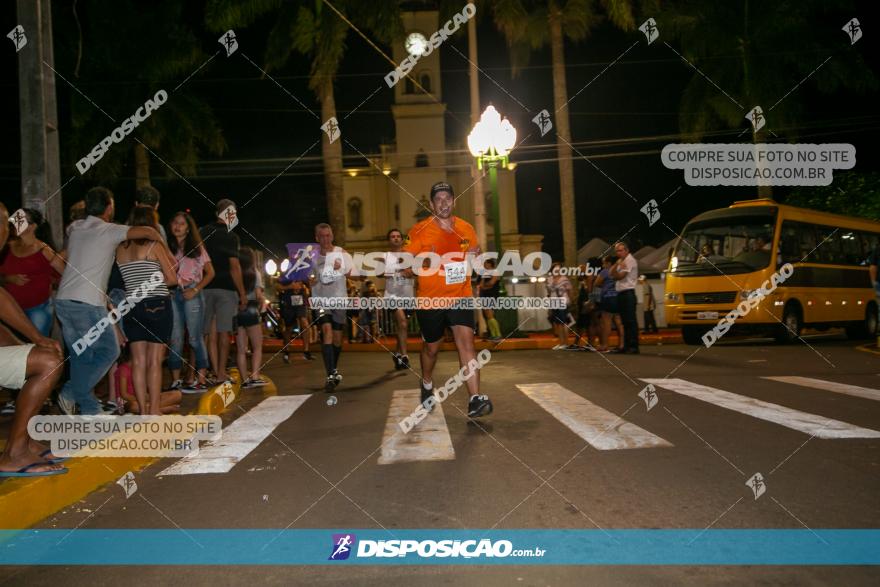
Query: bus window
[851,247]
[828,250]
[729,245]
[870,242]
[789,242]
[807,240]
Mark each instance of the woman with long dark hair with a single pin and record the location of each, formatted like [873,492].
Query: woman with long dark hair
[248,322]
[147,270]
[29,267]
[194,272]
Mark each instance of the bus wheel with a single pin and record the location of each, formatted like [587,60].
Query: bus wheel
[792,323]
[867,329]
[692,335]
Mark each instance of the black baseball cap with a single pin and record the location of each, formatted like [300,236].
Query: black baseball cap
[441,186]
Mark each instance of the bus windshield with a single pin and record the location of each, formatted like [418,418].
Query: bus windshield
[725,245]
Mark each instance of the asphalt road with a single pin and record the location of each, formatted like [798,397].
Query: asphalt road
[319,468]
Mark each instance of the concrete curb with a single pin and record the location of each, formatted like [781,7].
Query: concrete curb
[25,502]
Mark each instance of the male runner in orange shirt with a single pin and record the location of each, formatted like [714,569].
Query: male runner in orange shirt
[444,233]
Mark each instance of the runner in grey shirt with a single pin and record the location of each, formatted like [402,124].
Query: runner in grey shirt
[398,286]
[329,281]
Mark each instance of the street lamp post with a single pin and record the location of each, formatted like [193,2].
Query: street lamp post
[490,141]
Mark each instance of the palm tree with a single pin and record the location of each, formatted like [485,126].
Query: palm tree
[529,25]
[179,131]
[311,29]
[757,52]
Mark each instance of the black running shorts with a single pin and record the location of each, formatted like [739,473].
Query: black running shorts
[336,318]
[433,323]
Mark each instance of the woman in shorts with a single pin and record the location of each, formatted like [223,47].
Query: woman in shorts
[248,326]
[559,287]
[608,305]
[147,269]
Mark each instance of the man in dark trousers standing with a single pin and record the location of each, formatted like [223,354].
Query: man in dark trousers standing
[626,274]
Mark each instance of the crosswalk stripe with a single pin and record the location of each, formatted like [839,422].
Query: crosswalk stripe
[600,428]
[813,424]
[854,390]
[240,438]
[428,440]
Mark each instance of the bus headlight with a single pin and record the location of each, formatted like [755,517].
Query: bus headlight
[672,297]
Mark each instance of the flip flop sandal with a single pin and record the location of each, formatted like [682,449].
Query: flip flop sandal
[26,472]
[54,461]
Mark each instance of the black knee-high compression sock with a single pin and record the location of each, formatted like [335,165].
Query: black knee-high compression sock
[329,358]
[337,350]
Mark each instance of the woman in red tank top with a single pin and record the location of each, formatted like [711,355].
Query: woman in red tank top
[29,267]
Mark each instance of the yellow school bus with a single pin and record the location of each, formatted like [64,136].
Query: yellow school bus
[725,259]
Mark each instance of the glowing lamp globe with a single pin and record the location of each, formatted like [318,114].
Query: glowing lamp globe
[492,136]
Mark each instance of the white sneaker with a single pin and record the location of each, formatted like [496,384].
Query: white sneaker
[559,347]
[67,406]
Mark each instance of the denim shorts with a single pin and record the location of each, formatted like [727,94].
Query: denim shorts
[150,320]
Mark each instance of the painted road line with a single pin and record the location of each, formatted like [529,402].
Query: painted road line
[854,390]
[240,438]
[812,424]
[600,428]
[427,441]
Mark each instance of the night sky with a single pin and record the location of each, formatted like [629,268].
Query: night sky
[266,129]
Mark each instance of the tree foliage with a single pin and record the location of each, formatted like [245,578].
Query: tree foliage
[124,61]
[852,194]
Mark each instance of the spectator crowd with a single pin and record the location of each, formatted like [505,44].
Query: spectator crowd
[126,298]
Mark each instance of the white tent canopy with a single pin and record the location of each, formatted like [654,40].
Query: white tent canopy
[646,250]
[657,260]
[596,247]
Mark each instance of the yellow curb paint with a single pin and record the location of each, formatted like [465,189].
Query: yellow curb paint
[215,401]
[26,501]
[869,348]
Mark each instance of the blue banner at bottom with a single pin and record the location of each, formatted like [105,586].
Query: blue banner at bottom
[439,547]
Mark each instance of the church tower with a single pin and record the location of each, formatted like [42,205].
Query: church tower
[393,190]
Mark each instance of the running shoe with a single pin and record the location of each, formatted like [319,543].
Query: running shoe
[479,405]
[395,358]
[67,406]
[258,382]
[426,393]
[176,385]
[308,356]
[195,387]
[8,408]
[560,347]
[404,360]
[330,384]
[336,376]
[286,358]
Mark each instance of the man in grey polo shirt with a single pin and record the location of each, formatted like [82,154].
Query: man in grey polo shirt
[626,275]
[81,302]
